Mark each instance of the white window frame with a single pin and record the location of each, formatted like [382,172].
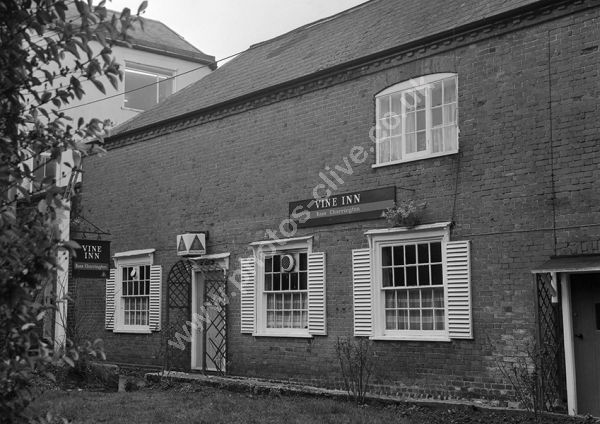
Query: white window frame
[148,70]
[400,88]
[125,259]
[389,237]
[268,248]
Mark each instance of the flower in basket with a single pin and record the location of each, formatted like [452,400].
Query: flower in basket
[406,213]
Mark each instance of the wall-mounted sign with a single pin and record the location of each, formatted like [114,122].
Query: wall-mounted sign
[190,244]
[346,207]
[92,260]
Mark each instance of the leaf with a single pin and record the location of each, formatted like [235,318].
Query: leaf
[142,7]
[68,361]
[71,244]
[99,85]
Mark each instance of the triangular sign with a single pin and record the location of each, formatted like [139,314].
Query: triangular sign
[197,244]
[181,247]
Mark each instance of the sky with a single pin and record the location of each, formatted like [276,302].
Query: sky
[225,27]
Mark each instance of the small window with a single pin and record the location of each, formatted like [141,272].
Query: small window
[133,293]
[44,172]
[417,119]
[146,86]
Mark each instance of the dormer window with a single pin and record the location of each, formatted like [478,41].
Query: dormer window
[145,86]
[417,119]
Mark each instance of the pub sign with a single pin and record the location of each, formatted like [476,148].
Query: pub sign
[92,259]
[345,207]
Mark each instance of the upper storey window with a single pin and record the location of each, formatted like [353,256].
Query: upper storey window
[145,86]
[417,119]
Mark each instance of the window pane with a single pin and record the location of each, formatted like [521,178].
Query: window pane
[411,255]
[297,301]
[140,90]
[303,259]
[438,298]
[411,143]
[277,282]
[411,122]
[395,148]
[270,319]
[411,275]
[386,277]
[421,141]
[383,129]
[384,106]
[165,88]
[423,253]
[398,255]
[285,281]
[437,136]
[437,117]
[409,101]
[450,138]
[402,298]
[270,301]
[399,276]
[436,275]
[421,120]
[402,320]
[276,263]
[390,320]
[383,148]
[386,256]
[269,264]
[415,319]
[294,281]
[439,319]
[390,299]
[395,125]
[450,90]
[414,299]
[436,94]
[424,275]
[278,301]
[303,281]
[420,96]
[396,104]
[427,298]
[436,252]
[449,114]
[427,319]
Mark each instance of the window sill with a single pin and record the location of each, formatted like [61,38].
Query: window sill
[409,338]
[288,335]
[397,162]
[125,330]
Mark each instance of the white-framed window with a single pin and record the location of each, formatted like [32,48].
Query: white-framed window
[412,284]
[283,289]
[133,293]
[417,119]
[145,86]
[47,171]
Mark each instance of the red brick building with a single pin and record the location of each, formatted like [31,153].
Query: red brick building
[486,112]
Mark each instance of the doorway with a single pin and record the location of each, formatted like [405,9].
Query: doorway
[585,298]
[209,323]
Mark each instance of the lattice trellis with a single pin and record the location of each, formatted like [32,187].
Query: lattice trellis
[179,284]
[215,299]
[553,385]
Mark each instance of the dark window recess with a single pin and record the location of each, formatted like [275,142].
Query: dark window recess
[597,316]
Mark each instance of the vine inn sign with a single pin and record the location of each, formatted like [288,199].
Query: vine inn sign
[495,112]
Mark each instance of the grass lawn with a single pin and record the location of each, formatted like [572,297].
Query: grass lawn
[199,404]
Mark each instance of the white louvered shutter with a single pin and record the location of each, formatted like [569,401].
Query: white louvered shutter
[361,282]
[317,323]
[458,277]
[155,295]
[248,270]
[109,312]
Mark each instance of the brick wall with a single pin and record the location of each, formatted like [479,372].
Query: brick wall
[527,99]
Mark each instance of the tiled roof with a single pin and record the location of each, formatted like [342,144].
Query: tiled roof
[367,29]
[158,38]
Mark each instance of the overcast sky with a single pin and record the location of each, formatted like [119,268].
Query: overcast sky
[225,27]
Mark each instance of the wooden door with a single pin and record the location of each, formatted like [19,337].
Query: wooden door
[585,292]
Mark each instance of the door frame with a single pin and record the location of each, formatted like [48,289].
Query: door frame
[220,260]
[568,336]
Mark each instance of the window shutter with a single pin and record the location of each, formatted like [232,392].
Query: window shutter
[155,291]
[248,270]
[317,323]
[458,278]
[361,281]
[109,313]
